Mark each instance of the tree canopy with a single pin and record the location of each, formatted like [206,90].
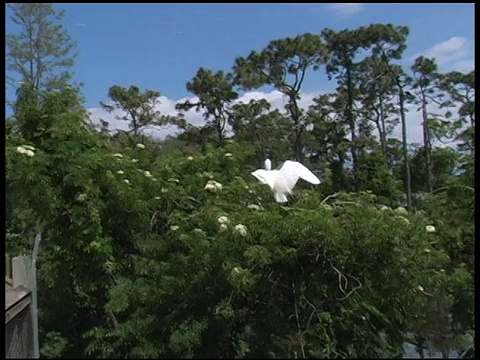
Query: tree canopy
[42,52]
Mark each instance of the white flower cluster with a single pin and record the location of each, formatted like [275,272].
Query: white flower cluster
[140,146]
[26,149]
[254,207]
[401,211]
[213,186]
[241,229]
[223,221]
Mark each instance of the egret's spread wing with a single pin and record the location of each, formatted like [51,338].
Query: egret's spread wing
[268,164]
[292,170]
[265,176]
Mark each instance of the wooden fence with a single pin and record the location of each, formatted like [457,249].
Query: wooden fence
[19,324]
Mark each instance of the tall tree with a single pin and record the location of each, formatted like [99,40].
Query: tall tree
[139,108]
[425,86]
[284,64]
[402,81]
[328,143]
[388,43]
[461,89]
[376,95]
[215,94]
[42,52]
[345,46]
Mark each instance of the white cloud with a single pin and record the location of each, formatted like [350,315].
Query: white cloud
[451,54]
[276,98]
[346,9]
[452,49]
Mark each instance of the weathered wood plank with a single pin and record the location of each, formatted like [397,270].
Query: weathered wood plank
[17,308]
[19,335]
[12,296]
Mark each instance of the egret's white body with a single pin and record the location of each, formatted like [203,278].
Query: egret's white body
[284,180]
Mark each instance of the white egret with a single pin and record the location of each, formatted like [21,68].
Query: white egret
[283,181]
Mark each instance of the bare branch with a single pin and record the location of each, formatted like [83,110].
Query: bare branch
[302,342]
[343,288]
[151,220]
[330,197]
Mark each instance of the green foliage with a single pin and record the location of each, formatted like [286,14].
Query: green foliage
[267,131]
[444,163]
[54,345]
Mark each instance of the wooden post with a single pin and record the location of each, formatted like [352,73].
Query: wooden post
[36,345]
[8,267]
[22,271]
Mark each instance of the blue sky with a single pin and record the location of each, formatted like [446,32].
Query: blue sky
[161,46]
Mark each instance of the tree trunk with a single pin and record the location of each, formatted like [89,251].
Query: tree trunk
[408,180]
[427,146]
[295,114]
[220,134]
[338,171]
[351,123]
[383,134]
[380,124]
[220,126]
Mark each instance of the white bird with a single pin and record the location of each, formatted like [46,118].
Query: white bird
[268,164]
[284,180]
